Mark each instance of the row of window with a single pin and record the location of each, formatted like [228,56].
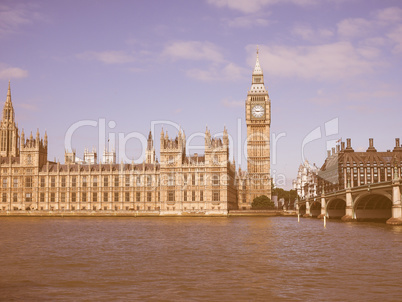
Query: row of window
[94,208]
[116,208]
[86,196]
[215,196]
[106,183]
[381,164]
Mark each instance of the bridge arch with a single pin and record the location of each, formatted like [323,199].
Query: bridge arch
[315,209]
[336,208]
[373,206]
[302,209]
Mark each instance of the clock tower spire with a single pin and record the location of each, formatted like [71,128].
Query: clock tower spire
[258,120]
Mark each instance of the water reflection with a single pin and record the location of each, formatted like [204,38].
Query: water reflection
[250,258]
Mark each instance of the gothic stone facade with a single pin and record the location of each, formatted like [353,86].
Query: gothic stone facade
[177,184]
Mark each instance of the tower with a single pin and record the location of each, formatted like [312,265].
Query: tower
[258,120]
[216,149]
[150,152]
[9,139]
[33,152]
[109,157]
[172,151]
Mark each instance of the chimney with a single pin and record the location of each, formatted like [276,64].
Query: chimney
[338,148]
[397,145]
[348,145]
[342,146]
[371,146]
[328,153]
[333,151]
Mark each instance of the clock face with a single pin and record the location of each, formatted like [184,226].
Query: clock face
[257,111]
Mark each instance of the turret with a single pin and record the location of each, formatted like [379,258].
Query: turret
[9,140]
[33,151]
[109,157]
[162,139]
[8,110]
[150,152]
[90,157]
[225,137]
[69,157]
[22,137]
[207,138]
[45,142]
[37,136]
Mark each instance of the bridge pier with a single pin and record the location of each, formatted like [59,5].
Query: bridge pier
[349,206]
[308,214]
[396,218]
[323,207]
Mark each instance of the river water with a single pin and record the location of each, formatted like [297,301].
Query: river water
[198,259]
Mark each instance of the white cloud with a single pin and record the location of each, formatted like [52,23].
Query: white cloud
[193,50]
[232,104]
[390,15]
[28,107]
[252,6]
[307,33]
[374,41]
[247,21]
[383,23]
[396,37]
[215,67]
[333,61]
[357,27]
[373,94]
[108,57]
[12,18]
[368,52]
[7,72]
[227,72]
[362,109]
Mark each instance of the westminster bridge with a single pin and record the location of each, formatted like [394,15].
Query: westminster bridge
[377,201]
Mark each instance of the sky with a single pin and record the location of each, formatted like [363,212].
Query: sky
[78,69]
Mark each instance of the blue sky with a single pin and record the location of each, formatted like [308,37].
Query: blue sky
[190,62]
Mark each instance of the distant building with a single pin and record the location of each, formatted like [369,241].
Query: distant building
[306,182]
[344,167]
[176,185]
[179,183]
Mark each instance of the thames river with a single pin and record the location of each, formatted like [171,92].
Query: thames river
[198,259]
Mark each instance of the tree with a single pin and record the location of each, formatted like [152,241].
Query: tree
[262,203]
[288,196]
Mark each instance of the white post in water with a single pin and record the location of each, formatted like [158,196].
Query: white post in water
[325,221]
[298,217]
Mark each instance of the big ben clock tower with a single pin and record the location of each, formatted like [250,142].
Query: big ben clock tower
[258,119]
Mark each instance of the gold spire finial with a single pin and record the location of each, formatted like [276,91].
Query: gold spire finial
[257,50]
[9,88]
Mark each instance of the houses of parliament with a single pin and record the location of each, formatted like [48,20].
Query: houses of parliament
[177,184]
